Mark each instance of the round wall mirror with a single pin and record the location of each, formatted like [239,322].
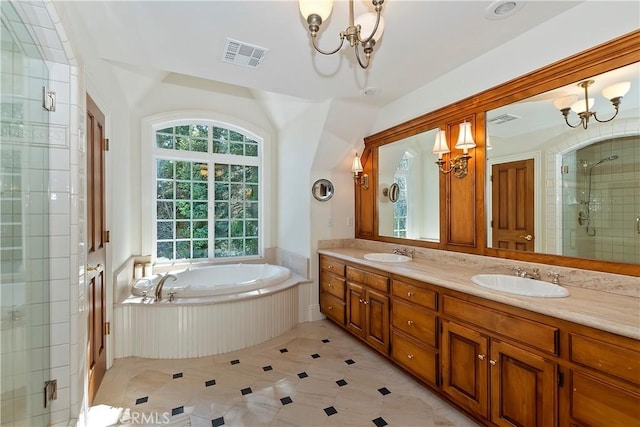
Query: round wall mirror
[322,190]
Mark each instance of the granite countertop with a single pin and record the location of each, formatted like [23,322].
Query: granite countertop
[619,314]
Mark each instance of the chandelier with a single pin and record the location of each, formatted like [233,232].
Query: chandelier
[362,33]
[613,93]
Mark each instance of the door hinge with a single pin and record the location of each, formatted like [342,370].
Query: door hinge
[50,391]
[560,379]
[491,223]
[48,99]
[106,144]
[107,328]
[564,169]
[490,178]
[106,236]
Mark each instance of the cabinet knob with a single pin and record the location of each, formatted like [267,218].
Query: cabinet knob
[492,362]
[330,285]
[330,307]
[409,322]
[409,294]
[366,302]
[410,356]
[361,300]
[330,267]
[481,356]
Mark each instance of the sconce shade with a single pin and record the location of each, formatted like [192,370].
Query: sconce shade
[617,90]
[321,8]
[579,105]
[465,139]
[440,146]
[367,22]
[565,102]
[487,143]
[356,166]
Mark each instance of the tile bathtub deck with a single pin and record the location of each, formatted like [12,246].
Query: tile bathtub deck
[314,375]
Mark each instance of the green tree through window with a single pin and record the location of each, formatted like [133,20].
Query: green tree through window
[207,193]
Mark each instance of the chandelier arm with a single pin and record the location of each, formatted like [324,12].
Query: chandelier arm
[566,120]
[326,52]
[595,116]
[375,29]
[364,66]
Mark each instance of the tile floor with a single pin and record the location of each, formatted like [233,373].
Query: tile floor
[314,375]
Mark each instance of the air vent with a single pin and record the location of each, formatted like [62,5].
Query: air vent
[240,53]
[503,118]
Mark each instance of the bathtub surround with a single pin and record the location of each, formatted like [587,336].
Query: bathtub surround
[315,374]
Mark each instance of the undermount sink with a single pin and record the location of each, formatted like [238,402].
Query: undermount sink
[520,286]
[385,257]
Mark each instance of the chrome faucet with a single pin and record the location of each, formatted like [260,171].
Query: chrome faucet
[160,284]
[405,252]
[521,272]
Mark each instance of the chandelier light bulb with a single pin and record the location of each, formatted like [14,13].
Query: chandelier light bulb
[321,8]
[617,90]
[565,102]
[367,23]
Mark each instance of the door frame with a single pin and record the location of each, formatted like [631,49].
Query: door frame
[539,213]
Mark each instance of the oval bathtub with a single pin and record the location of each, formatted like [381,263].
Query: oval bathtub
[215,310]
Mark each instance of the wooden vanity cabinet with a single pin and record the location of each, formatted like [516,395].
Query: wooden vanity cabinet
[368,307]
[414,329]
[332,289]
[492,376]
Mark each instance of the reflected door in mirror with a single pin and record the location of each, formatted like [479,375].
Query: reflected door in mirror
[512,187]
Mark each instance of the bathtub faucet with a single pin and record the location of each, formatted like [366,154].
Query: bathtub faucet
[161,284]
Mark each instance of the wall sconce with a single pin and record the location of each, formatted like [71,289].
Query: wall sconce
[613,93]
[358,177]
[459,165]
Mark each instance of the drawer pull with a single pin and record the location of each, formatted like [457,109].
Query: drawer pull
[361,300]
[492,362]
[409,294]
[481,356]
[409,322]
[410,356]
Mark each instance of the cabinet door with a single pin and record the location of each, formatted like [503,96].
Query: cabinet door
[377,320]
[523,387]
[355,309]
[464,367]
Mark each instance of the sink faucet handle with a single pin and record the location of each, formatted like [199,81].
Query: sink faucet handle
[517,270]
[555,277]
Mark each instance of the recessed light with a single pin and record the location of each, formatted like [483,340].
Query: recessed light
[501,9]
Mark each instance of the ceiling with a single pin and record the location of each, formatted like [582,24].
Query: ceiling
[151,40]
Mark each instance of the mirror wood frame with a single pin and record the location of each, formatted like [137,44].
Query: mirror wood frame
[462,205]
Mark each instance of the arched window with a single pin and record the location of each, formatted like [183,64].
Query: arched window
[207,200]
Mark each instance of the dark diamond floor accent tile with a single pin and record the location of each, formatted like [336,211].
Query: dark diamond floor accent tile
[326,340]
[217,422]
[303,375]
[384,391]
[283,350]
[341,383]
[142,400]
[210,383]
[315,355]
[349,361]
[330,411]
[267,368]
[246,391]
[286,400]
[178,375]
[235,362]
[379,422]
[177,411]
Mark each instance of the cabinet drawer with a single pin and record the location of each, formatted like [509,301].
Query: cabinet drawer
[333,284]
[415,321]
[423,297]
[421,361]
[607,358]
[372,280]
[534,334]
[332,307]
[596,403]
[332,265]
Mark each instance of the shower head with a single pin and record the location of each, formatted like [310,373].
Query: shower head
[606,159]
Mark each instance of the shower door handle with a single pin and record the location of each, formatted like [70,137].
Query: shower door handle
[638,225]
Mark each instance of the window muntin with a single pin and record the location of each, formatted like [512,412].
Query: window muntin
[200,215]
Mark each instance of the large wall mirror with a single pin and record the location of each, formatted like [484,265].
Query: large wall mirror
[562,190]
[538,189]
[414,214]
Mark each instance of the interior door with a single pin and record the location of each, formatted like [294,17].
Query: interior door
[512,189]
[96,251]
